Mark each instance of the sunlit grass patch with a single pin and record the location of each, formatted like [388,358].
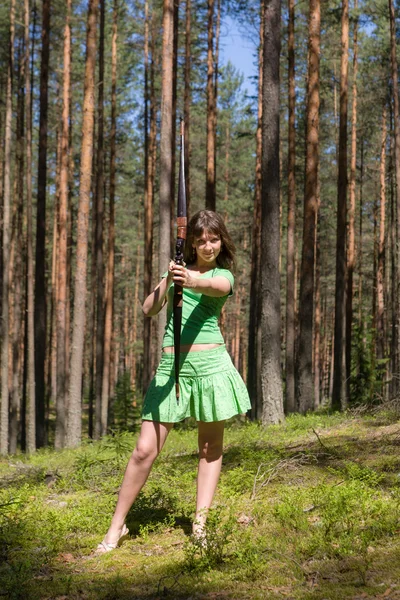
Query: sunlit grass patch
[308,509]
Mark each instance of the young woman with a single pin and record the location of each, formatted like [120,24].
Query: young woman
[210,386]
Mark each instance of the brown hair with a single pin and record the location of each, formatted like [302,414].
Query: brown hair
[212,222]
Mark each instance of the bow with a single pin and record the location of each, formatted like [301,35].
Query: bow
[180,245]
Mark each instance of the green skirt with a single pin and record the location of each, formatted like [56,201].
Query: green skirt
[211,389]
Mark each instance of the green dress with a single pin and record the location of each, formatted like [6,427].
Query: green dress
[210,386]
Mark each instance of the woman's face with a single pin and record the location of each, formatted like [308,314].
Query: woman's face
[207,246]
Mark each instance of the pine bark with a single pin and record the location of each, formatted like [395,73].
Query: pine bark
[187,100]
[291,222]
[16,271]
[4,423]
[254,344]
[51,395]
[40,264]
[211,112]
[148,201]
[74,407]
[395,88]
[271,379]
[317,320]
[380,280]
[304,374]
[351,246]
[109,308]
[393,270]
[165,149]
[30,411]
[62,299]
[173,133]
[134,328]
[99,228]
[339,398]
[360,239]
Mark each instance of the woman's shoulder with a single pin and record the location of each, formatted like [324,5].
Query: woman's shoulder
[224,272]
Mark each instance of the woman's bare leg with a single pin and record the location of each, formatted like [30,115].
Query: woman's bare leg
[149,445]
[211,437]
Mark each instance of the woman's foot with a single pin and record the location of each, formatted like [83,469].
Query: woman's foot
[107,546]
[199,534]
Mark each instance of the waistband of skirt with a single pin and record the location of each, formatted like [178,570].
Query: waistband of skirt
[220,349]
[198,362]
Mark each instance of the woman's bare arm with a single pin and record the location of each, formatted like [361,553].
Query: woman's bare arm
[213,286]
[156,300]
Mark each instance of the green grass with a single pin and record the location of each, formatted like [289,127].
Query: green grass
[306,510]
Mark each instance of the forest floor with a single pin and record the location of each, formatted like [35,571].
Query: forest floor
[306,510]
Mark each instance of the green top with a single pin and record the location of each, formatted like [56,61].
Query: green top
[200,314]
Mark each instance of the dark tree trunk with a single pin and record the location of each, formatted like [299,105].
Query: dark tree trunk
[380,279]
[40,265]
[291,224]
[395,90]
[339,398]
[304,374]
[254,344]
[99,228]
[62,275]
[271,379]
[4,417]
[173,134]
[29,416]
[211,109]
[148,202]
[351,253]
[17,271]
[187,101]
[109,310]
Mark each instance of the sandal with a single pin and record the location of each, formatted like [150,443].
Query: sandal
[104,546]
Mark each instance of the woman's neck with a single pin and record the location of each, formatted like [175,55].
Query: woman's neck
[203,268]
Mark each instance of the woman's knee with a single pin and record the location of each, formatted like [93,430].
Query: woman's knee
[144,452]
[210,449]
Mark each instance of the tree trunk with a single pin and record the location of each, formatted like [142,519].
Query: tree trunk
[40,265]
[187,102]
[51,395]
[173,134]
[6,243]
[339,398]
[148,200]
[393,270]
[395,88]
[254,343]
[291,223]
[360,240]
[317,321]
[17,271]
[165,150]
[351,259]
[62,299]
[374,279]
[211,108]
[99,229]
[30,411]
[75,391]
[271,379]
[304,376]
[216,75]
[134,328]
[109,310]
[380,279]
[227,173]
